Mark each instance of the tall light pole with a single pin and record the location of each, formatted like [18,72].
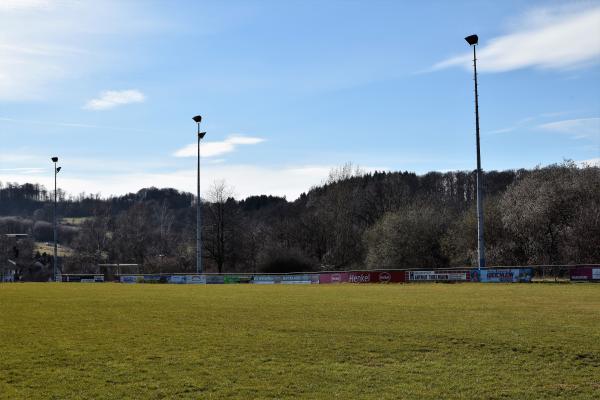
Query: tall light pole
[472,40]
[198,119]
[55,263]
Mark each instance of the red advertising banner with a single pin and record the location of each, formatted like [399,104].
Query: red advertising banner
[585,274]
[388,276]
[363,277]
[334,277]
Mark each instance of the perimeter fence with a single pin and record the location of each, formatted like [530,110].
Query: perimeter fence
[527,274]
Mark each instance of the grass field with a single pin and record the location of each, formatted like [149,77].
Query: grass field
[75,221]
[421,341]
[48,248]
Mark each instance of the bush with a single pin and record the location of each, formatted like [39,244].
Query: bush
[409,238]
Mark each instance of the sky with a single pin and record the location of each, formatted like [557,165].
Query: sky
[289,90]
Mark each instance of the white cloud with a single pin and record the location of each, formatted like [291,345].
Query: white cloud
[238,139]
[212,149]
[112,98]
[246,180]
[592,162]
[579,128]
[557,38]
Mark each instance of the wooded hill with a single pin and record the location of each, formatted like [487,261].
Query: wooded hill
[547,215]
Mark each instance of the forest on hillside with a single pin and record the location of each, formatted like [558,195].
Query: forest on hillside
[548,215]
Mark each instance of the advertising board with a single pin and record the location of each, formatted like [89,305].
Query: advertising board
[359,277]
[299,279]
[177,279]
[376,277]
[263,279]
[388,277]
[237,278]
[585,274]
[502,275]
[130,278]
[438,276]
[285,279]
[214,279]
[155,279]
[195,279]
[363,277]
[94,278]
[333,277]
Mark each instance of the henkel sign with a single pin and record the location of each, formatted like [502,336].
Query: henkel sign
[359,277]
[363,277]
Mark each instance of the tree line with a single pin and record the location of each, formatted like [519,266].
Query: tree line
[354,220]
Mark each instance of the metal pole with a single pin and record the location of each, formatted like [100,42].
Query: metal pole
[55,235]
[198,225]
[480,241]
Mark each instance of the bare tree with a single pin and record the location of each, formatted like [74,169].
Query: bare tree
[219,223]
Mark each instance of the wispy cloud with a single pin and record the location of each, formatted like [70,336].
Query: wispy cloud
[32,58]
[579,128]
[212,149]
[16,5]
[501,130]
[15,157]
[113,98]
[47,42]
[533,122]
[25,170]
[69,124]
[556,38]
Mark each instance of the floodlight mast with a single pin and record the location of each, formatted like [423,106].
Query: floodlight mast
[473,40]
[199,270]
[55,260]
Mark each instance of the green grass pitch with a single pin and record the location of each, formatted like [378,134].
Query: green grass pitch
[421,341]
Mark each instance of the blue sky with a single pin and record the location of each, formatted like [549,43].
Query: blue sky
[290,89]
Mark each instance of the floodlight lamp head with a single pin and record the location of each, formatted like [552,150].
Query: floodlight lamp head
[197,118]
[58,169]
[473,39]
[201,135]
[55,159]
